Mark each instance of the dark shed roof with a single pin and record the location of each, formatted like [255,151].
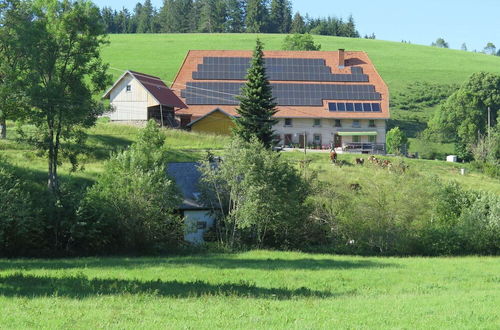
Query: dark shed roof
[159,90]
[187,176]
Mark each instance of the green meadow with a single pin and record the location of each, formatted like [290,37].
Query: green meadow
[399,64]
[258,289]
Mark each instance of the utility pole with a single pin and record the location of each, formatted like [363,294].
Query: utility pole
[305,142]
[489,125]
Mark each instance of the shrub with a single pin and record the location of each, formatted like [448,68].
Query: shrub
[260,198]
[396,140]
[21,233]
[300,42]
[130,208]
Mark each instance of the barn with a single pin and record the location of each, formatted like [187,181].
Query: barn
[325,98]
[138,97]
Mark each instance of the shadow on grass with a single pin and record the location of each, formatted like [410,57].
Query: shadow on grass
[30,286]
[101,146]
[218,262]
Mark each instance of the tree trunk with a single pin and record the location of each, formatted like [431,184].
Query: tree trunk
[3,128]
[52,183]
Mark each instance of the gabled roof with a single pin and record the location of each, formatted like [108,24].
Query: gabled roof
[208,114]
[204,78]
[155,86]
[187,177]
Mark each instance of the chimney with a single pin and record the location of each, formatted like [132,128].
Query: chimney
[341,58]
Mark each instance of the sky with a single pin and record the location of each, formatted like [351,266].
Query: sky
[421,22]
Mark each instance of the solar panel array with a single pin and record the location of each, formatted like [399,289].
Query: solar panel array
[278,69]
[223,93]
[356,107]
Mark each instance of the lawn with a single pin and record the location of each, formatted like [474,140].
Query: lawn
[258,289]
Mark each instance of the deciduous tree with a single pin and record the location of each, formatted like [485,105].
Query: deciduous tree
[58,47]
[300,42]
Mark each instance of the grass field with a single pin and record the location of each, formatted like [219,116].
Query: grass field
[106,138]
[398,63]
[258,289]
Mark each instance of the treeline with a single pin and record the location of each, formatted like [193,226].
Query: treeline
[222,16]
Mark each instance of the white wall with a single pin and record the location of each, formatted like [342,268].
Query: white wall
[327,129]
[191,219]
[131,105]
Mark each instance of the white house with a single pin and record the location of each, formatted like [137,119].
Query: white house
[197,217]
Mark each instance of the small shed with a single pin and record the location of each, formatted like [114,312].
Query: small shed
[198,219]
[138,96]
[216,121]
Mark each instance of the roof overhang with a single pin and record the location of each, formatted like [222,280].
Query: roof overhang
[372,133]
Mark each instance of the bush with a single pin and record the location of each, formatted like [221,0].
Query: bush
[262,197]
[21,232]
[300,42]
[130,208]
[396,141]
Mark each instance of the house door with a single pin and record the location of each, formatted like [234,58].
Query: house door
[337,141]
[301,140]
[288,139]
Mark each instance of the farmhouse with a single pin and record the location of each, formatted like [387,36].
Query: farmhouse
[137,96]
[197,218]
[331,98]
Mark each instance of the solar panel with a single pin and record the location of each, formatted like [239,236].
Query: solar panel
[278,69]
[349,107]
[376,107]
[285,94]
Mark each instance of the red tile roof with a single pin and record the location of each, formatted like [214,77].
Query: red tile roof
[352,58]
[159,90]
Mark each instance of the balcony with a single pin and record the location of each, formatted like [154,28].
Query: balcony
[364,148]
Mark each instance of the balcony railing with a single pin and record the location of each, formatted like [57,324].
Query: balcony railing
[364,147]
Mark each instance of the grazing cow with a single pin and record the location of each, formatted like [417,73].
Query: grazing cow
[355,186]
[360,161]
[333,156]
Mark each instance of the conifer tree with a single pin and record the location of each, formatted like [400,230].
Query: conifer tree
[257,105]
[235,16]
[257,16]
[280,16]
[298,24]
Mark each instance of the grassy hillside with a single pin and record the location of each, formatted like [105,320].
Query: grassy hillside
[258,289]
[398,63]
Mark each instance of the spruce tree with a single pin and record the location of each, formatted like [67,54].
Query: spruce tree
[235,16]
[280,16]
[298,24]
[257,105]
[256,16]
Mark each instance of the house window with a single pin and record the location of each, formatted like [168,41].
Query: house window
[317,139]
[371,138]
[371,123]
[288,122]
[129,88]
[317,123]
[338,123]
[356,123]
[356,139]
